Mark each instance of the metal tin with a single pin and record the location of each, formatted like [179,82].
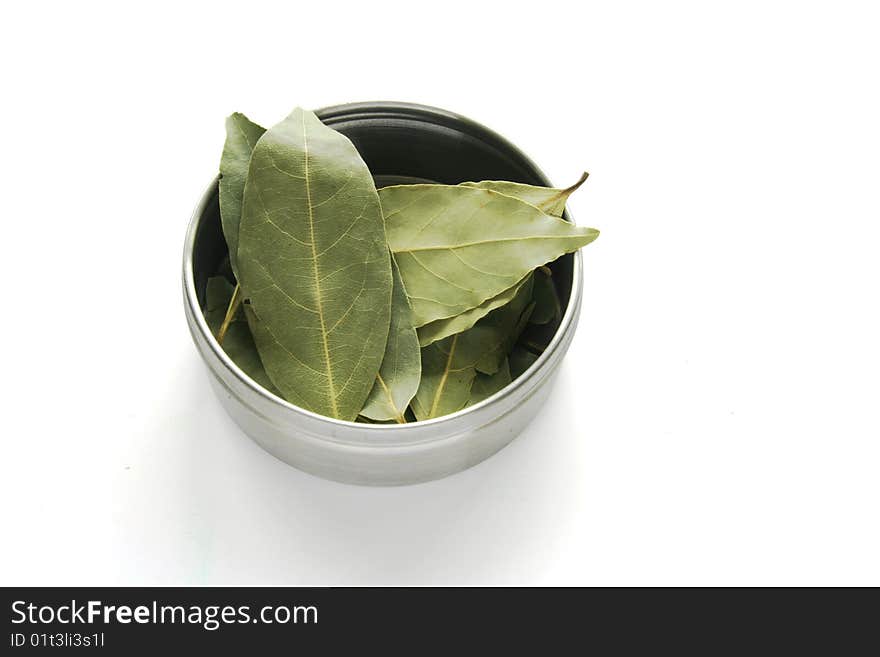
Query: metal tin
[397,141]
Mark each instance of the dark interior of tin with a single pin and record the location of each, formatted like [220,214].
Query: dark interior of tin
[403,144]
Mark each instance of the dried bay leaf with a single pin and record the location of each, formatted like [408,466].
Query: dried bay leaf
[242,135]
[486,385]
[447,375]
[239,344]
[503,327]
[401,370]
[520,326]
[547,199]
[450,365]
[520,360]
[547,305]
[458,246]
[537,337]
[225,269]
[443,328]
[314,264]
[552,201]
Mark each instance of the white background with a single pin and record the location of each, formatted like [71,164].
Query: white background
[715,422]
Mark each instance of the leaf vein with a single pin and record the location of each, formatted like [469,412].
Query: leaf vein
[316,272]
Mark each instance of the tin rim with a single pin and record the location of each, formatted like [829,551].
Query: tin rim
[535,373]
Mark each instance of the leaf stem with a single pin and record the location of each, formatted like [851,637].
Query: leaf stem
[581,181]
[231,310]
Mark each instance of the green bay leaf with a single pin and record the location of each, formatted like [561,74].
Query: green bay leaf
[520,360]
[502,328]
[486,385]
[401,369]
[447,375]
[314,264]
[242,135]
[537,337]
[458,246]
[552,201]
[443,328]
[450,365]
[238,343]
[547,199]
[547,305]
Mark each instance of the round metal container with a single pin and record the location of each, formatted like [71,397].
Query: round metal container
[398,142]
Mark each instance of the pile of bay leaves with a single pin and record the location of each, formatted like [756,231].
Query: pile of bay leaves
[399,304]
